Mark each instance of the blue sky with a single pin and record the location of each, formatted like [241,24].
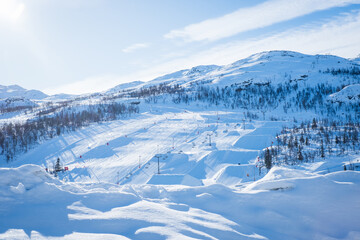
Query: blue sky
[81,46]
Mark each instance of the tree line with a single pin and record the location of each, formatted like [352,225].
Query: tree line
[312,140]
[354,71]
[19,137]
[265,97]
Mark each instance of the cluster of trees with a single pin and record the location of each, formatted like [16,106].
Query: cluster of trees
[288,95]
[264,97]
[354,71]
[16,104]
[151,94]
[51,107]
[250,96]
[15,109]
[157,90]
[311,140]
[19,137]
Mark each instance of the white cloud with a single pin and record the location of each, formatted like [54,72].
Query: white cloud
[134,47]
[340,36]
[245,19]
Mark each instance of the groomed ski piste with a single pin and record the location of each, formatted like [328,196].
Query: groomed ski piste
[209,186]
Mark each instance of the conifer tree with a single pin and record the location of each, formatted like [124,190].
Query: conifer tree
[322,150]
[268,159]
[57,166]
[300,156]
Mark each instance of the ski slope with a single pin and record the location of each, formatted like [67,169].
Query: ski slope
[124,151]
[113,190]
[178,171]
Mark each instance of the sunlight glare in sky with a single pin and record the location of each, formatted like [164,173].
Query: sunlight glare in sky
[11,10]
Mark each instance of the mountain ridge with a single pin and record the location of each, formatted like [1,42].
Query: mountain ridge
[18,91]
[260,67]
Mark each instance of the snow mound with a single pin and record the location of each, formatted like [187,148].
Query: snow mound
[174,179]
[234,175]
[260,138]
[325,205]
[213,163]
[279,178]
[24,178]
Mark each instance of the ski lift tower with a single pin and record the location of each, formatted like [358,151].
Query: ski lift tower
[158,156]
[209,135]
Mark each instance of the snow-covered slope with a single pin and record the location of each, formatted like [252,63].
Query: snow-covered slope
[279,66]
[124,86]
[60,97]
[350,93]
[185,76]
[37,206]
[271,66]
[14,102]
[185,170]
[17,91]
[357,60]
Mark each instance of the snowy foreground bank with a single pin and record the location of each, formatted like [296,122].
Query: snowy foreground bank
[304,206]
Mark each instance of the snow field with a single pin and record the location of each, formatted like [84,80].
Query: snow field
[125,151]
[285,204]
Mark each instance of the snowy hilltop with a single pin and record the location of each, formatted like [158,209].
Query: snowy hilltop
[265,67]
[267,147]
[350,93]
[17,91]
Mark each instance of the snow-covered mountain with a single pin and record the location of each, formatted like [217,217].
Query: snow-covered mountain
[124,86]
[185,156]
[264,67]
[60,97]
[14,102]
[185,76]
[17,91]
[357,60]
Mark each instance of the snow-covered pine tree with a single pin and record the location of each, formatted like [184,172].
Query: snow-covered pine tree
[268,159]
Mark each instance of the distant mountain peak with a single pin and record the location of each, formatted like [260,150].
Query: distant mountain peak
[15,91]
[124,86]
[268,66]
[201,69]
